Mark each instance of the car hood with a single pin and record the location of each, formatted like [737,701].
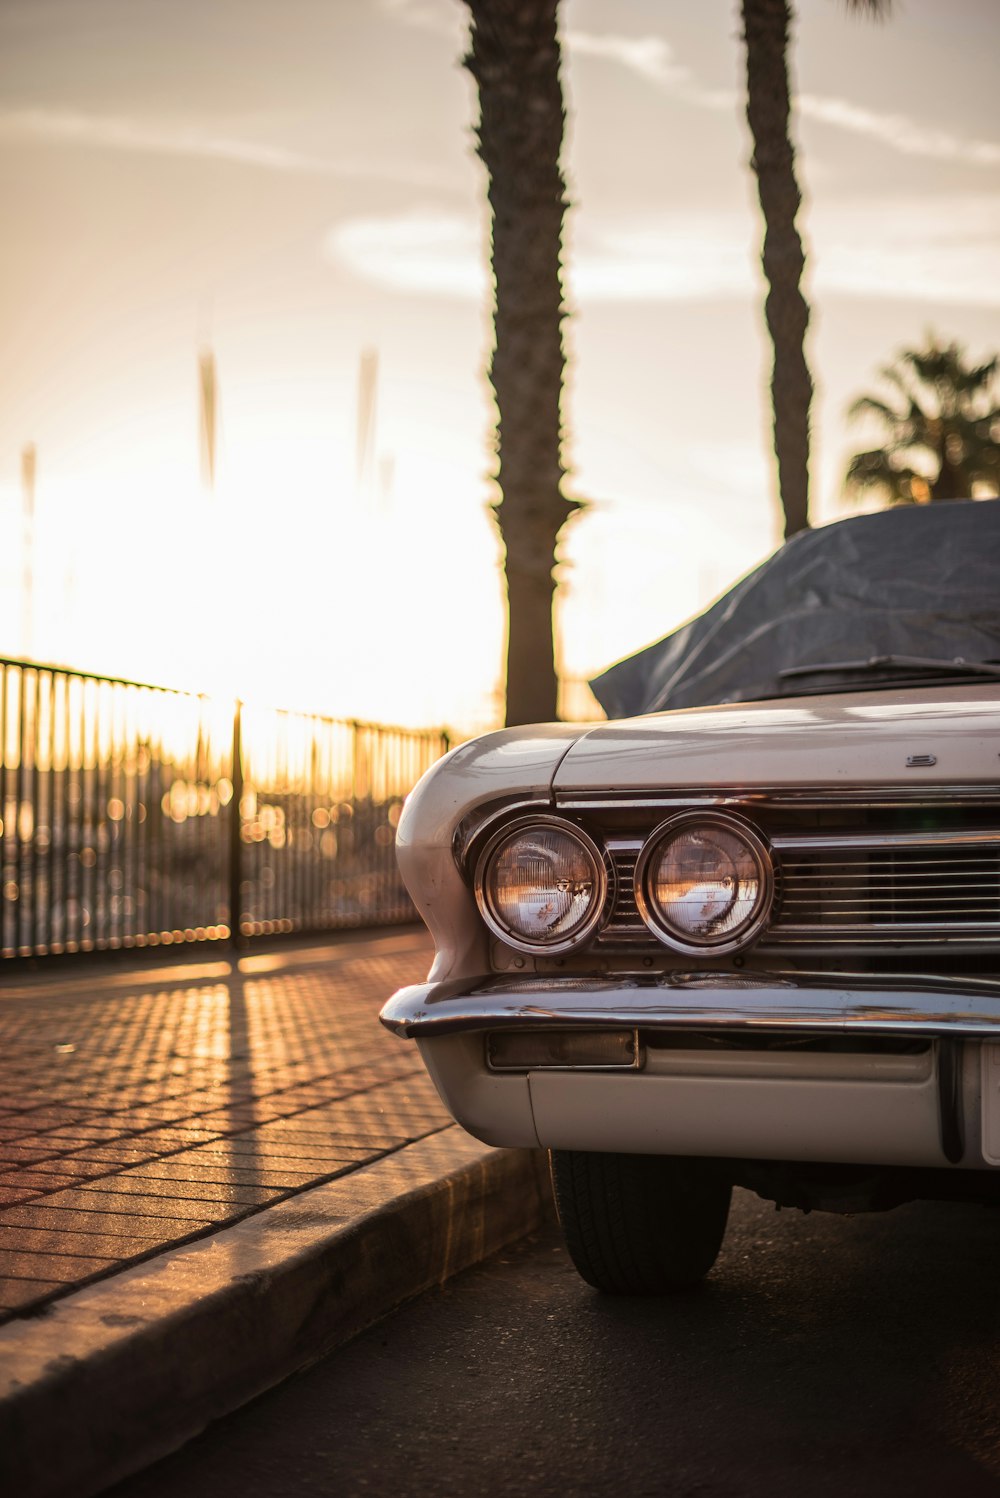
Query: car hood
[942,734]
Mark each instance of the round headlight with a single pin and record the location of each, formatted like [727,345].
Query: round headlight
[541,885]
[704,882]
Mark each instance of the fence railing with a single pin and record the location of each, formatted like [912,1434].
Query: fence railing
[134,816]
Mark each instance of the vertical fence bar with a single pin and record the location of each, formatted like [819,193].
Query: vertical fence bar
[47,837]
[5,827]
[141,891]
[71,833]
[155,816]
[236,829]
[25,808]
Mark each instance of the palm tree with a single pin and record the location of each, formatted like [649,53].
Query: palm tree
[515,58]
[766,25]
[941,429]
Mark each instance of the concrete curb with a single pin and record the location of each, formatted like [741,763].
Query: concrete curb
[124,1371]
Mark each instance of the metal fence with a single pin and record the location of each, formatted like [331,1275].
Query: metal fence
[136,816]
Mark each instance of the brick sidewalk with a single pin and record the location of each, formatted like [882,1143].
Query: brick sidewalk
[139,1110]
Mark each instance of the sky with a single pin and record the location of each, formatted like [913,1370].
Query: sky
[293,184]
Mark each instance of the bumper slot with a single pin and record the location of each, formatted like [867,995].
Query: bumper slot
[799,1043]
[563,1050]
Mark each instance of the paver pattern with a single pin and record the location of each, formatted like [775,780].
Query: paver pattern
[142,1109]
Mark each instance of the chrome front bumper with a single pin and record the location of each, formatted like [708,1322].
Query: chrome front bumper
[933,1106]
[846,1003]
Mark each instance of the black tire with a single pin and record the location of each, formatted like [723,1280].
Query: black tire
[640,1224]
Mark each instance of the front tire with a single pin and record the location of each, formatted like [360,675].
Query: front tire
[640,1224]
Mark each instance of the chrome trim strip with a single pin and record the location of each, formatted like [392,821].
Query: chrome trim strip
[871,930]
[704,1001]
[862,795]
[830,842]
[664,801]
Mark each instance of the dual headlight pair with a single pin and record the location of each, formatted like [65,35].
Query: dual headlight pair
[703,883]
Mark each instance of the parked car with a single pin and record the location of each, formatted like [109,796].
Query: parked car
[750,934]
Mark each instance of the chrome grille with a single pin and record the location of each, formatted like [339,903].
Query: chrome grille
[904,887]
[873,887]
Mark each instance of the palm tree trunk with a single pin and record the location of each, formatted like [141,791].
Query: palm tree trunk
[952,481]
[515,59]
[765,27]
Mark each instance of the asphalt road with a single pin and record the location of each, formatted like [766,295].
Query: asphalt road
[826,1355]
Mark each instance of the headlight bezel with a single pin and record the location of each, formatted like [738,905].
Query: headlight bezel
[653,917]
[582,933]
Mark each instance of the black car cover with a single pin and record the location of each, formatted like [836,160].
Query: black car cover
[921,580]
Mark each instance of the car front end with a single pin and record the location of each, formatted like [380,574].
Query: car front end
[761,936]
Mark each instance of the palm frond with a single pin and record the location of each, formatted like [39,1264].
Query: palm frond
[900,482]
[950,423]
[897,377]
[980,375]
[870,405]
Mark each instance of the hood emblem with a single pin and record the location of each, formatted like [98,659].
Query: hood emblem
[920,761]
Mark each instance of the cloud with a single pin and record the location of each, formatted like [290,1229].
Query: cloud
[444,17]
[940,251]
[427,252]
[899,132]
[650,56]
[652,59]
[70,127]
[663,258]
[443,254]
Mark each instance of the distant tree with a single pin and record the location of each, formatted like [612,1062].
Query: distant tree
[941,427]
[515,60]
[766,26]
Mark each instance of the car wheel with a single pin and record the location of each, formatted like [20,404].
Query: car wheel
[640,1224]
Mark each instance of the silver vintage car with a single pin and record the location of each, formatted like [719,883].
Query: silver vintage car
[748,934]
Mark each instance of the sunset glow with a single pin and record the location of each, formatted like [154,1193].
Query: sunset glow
[290,186]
